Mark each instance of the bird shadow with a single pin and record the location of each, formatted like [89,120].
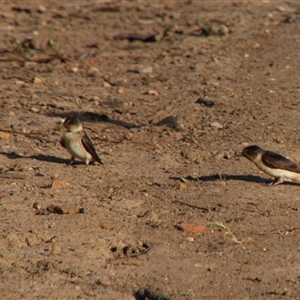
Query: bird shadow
[87,116]
[51,158]
[41,157]
[248,178]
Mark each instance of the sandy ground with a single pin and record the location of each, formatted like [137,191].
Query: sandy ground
[134,71]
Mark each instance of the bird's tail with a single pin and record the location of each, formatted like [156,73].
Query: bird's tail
[98,159]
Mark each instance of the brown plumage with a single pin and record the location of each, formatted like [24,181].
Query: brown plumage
[273,164]
[77,142]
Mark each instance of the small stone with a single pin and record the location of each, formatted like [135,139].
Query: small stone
[120,90]
[37,205]
[106,84]
[152,92]
[24,130]
[58,184]
[170,121]
[50,43]
[256,46]
[20,82]
[186,153]
[74,69]
[190,239]
[146,70]
[220,154]
[34,109]
[95,99]
[193,228]
[212,82]
[4,135]
[205,102]
[278,140]
[223,30]
[41,9]
[215,29]
[129,136]
[216,124]
[141,70]
[37,80]
[180,186]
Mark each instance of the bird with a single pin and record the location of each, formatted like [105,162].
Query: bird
[273,164]
[77,142]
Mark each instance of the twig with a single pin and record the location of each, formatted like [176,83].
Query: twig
[29,135]
[234,289]
[26,59]
[191,205]
[12,176]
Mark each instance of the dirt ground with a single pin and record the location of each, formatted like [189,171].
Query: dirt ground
[134,72]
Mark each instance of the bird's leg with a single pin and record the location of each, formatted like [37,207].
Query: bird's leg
[277,181]
[72,160]
[87,165]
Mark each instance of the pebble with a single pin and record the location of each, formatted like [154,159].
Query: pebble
[190,239]
[106,84]
[34,109]
[220,154]
[180,186]
[37,80]
[58,184]
[141,70]
[212,82]
[129,136]
[205,102]
[171,122]
[37,205]
[74,69]
[120,90]
[186,153]
[95,99]
[152,92]
[4,135]
[41,9]
[216,124]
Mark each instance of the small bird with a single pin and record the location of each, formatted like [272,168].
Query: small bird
[76,141]
[273,164]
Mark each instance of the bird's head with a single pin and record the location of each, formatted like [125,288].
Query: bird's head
[253,152]
[73,124]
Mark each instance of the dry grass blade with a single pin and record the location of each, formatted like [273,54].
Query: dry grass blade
[226,228]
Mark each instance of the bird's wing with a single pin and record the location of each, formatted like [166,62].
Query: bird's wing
[276,161]
[89,147]
[62,142]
